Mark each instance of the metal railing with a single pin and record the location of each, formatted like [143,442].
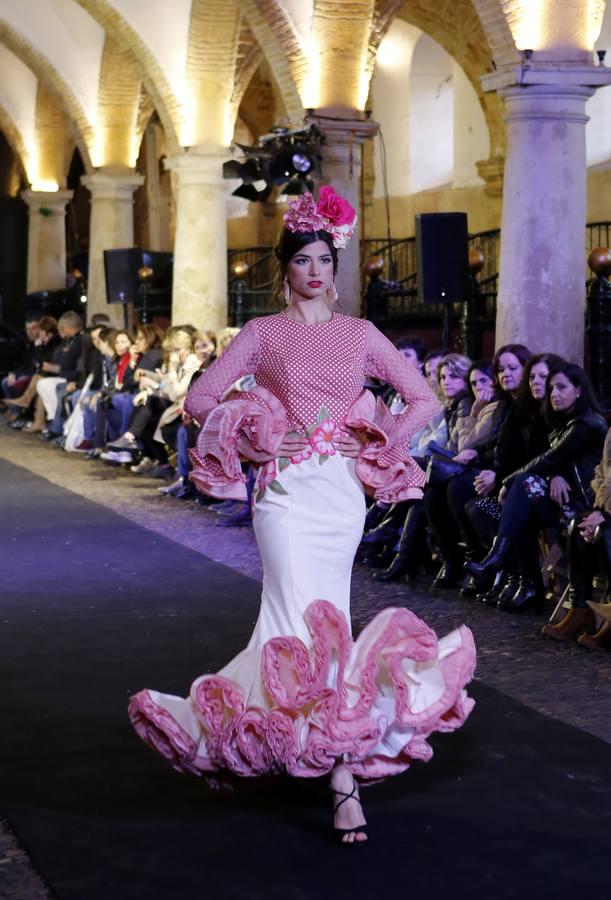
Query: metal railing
[261,264]
[395,296]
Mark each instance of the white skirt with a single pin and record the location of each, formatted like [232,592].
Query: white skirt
[303,695]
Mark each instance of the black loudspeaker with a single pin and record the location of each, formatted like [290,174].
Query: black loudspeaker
[442,250]
[121,272]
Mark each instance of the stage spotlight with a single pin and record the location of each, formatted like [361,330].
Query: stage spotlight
[284,158]
[248,171]
[301,162]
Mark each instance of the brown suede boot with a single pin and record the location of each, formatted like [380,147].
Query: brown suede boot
[576,620]
[599,641]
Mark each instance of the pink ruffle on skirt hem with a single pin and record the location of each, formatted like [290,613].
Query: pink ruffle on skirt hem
[371,703]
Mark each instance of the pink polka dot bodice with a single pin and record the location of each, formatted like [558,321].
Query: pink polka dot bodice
[309,366]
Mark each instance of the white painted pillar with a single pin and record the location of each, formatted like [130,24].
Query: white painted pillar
[46,239]
[112,228]
[199,295]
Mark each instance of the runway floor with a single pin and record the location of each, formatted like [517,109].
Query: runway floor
[94,607]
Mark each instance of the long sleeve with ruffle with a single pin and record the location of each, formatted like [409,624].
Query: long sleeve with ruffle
[383,361]
[384,464]
[240,358]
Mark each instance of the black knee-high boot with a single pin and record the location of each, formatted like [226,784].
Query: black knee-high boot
[388,529]
[411,545]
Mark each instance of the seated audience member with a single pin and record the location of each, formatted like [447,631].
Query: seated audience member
[158,404]
[113,414]
[406,521]
[412,349]
[47,344]
[204,347]
[432,361]
[69,392]
[233,513]
[588,547]
[113,358]
[445,502]
[15,383]
[475,428]
[549,490]
[524,436]
[182,488]
[64,367]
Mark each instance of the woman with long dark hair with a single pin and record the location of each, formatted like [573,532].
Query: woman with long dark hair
[524,437]
[304,698]
[446,503]
[550,489]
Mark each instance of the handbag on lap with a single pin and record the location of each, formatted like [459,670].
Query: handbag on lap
[442,469]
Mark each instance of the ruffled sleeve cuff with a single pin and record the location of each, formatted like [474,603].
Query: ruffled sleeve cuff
[252,426]
[384,465]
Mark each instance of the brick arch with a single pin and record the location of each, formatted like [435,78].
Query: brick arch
[55,84]
[15,140]
[212,56]
[249,59]
[272,28]
[118,102]
[455,25]
[495,16]
[154,79]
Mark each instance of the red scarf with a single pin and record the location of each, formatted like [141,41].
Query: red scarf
[123,364]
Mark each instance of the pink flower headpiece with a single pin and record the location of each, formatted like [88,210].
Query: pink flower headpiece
[332,214]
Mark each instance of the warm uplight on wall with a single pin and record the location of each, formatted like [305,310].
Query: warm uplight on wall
[45,184]
[310,91]
[389,52]
[134,150]
[49,185]
[187,126]
[526,24]
[98,150]
[595,23]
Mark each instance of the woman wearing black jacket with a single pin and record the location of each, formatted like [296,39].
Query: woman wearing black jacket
[550,489]
[445,503]
[524,436]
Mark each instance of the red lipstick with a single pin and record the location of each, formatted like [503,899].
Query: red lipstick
[314,284]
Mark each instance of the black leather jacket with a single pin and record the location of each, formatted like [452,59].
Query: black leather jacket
[575,449]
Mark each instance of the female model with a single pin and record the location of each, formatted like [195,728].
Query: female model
[304,698]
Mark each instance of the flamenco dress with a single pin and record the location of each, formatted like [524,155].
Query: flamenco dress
[303,695]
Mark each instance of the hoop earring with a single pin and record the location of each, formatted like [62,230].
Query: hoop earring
[286,290]
[332,292]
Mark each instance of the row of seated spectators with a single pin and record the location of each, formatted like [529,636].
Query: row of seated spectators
[518,451]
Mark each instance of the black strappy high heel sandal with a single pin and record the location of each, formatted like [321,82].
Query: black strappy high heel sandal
[342,832]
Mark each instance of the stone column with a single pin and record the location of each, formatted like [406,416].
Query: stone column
[199,294]
[341,168]
[541,300]
[112,227]
[46,239]
[542,272]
